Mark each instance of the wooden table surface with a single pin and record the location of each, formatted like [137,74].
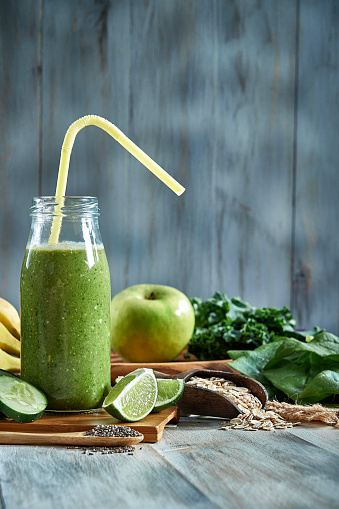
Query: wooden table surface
[194,465]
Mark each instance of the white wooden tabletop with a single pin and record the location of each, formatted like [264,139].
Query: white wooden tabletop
[194,465]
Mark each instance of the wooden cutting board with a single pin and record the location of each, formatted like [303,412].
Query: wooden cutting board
[152,427]
[121,368]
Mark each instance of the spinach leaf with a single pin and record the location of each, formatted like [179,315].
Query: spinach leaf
[251,364]
[235,354]
[303,372]
[290,377]
[324,344]
[323,385]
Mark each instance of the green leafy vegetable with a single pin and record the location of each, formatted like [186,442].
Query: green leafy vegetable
[253,362]
[300,371]
[323,385]
[223,324]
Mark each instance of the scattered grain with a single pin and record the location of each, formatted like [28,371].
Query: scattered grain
[253,416]
[241,396]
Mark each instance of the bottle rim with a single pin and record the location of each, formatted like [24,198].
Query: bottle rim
[70,206]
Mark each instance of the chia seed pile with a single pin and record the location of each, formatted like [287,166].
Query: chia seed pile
[112,430]
[109,430]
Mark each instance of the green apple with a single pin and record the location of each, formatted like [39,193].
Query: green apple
[150,323]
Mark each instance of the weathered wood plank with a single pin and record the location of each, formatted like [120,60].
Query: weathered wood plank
[253,137]
[316,277]
[60,478]
[320,435]
[219,100]
[195,464]
[177,114]
[172,104]
[242,469]
[20,71]
[207,89]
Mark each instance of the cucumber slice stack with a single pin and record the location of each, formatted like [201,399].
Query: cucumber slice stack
[19,400]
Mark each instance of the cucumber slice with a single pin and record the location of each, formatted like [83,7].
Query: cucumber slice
[3,372]
[19,400]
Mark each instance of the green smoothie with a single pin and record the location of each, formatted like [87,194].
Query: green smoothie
[65,323]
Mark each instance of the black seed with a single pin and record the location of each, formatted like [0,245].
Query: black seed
[112,430]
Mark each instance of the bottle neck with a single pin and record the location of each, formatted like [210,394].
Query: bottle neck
[79,220]
[65,206]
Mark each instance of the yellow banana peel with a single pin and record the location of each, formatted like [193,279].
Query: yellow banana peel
[9,317]
[8,342]
[9,363]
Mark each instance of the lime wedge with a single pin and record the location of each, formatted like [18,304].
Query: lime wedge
[20,400]
[169,392]
[133,397]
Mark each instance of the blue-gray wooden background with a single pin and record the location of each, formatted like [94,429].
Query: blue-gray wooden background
[237,99]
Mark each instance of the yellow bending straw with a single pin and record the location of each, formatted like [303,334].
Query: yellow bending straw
[120,137]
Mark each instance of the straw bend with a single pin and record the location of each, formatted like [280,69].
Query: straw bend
[121,138]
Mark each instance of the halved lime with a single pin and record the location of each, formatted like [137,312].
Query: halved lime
[169,392]
[20,400]
[133,397]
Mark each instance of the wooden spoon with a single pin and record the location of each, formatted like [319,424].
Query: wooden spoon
[201,401]
[75,438]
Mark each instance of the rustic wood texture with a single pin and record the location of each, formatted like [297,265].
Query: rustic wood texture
[76,438]
[316,275]
[238,100]
[152,426]
[121,368]
[255,469]
[20,86]
[194,465]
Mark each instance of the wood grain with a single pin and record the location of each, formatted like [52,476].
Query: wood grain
[10,438]
[253,113]
[262,469]
[151,427]
[316,278]
[238,100]
[20,86]
[54,477]
[195,463]
[170,368]
[121,368]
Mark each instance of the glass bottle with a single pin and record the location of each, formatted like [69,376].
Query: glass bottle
[65,306]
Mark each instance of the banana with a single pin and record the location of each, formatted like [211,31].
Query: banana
[9,343]
[9,363]
[9,317]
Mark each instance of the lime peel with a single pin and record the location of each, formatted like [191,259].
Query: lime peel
[133,397]
[169,392]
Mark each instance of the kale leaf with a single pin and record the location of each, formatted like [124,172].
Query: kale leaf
[223,323]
